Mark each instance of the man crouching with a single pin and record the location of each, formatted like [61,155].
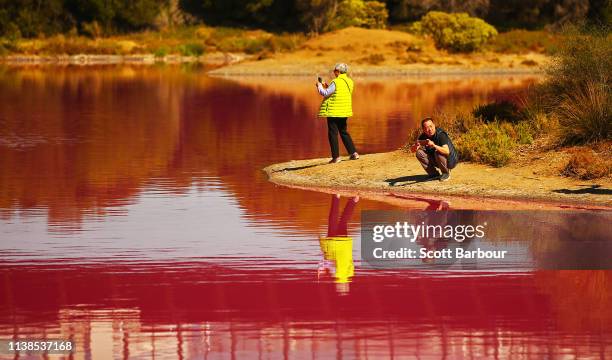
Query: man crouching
[434,149]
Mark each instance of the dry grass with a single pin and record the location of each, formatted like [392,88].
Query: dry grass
[586,115]
[587,164]
[524,41]
[193,40]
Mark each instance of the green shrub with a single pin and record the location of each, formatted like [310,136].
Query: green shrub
[477,141]
[456,32]
[586,115]
[524,132]
[486,143]
[92,29]
[285,42]
[522,41]
[240,44]
[368,14]
[499,110]
[191,49]
[574,104]
[161,52]
[253,46]
[583,59]
[375,15]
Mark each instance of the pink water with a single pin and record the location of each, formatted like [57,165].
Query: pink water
[135,220]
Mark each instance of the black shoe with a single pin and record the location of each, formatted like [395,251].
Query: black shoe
[445,176]
[433,176]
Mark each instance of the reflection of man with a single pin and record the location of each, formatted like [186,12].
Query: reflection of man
[434,149]
[436,213]
[337,246]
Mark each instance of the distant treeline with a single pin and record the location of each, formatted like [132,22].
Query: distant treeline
[30,18]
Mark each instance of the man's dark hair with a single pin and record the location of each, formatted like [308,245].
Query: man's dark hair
[426,120]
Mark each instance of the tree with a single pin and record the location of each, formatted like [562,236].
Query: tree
[316,14]
[376,15]
[325,15]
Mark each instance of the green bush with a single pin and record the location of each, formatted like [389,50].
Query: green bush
[586,115]
[522,41]
[486,143]
[524,132]
[375,15]
[499,110]
[161,52]
[577,91]
[456,32]
[368,14]
[191,49]
[285,42]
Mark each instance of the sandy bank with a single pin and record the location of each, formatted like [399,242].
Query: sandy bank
[216,59]
[383,52]
[397,177]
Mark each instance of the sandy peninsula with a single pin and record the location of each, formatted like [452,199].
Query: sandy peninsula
[396,177]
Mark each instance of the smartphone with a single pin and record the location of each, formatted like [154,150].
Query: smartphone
[319,79]
[422,142]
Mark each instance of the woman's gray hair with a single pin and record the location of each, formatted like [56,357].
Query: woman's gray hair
[341,67]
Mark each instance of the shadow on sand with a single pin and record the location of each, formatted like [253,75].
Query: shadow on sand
[586,189]
[300,167]
[409,180]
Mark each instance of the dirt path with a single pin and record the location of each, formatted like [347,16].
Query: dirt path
[397,176]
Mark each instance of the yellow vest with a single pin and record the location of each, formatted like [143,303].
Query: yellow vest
[340,103]
[340,250]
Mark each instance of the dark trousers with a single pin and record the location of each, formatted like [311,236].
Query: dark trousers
[339,226]
[430,162]
[333,126]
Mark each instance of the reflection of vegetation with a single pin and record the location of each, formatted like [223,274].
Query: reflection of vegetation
[89,159]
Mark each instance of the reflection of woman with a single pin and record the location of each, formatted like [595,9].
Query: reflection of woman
[337,246]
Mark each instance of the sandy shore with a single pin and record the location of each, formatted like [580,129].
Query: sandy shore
[397,177]
[371,52]
[216,59]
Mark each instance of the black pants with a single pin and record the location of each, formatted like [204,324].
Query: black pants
[334,125]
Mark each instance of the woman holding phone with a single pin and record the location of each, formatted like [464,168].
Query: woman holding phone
[337,106]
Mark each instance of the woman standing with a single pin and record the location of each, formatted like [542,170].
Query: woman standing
[337,106]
